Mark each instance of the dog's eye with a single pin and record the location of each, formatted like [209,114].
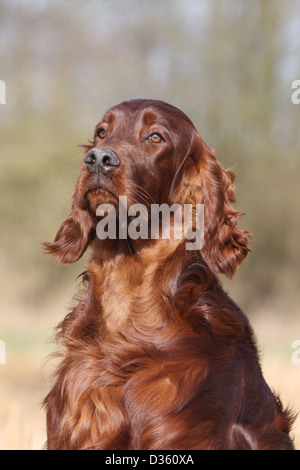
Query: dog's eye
[156,138]
[102,133]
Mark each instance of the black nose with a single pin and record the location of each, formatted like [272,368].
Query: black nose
[101,160]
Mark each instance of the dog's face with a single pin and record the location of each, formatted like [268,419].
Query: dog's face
[137,149]
[150,152]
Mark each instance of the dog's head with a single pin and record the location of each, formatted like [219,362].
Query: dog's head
[150,152]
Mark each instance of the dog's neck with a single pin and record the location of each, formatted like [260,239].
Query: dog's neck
[136,284]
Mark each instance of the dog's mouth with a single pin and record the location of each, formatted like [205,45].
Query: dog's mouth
[95,197]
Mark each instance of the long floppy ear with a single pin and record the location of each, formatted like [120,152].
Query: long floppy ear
[73,237]
[201,179]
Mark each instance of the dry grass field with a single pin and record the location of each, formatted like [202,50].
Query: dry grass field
[25,377]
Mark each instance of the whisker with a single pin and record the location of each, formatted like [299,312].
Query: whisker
[142,196]
[129,247]
[145,192]
[143,210]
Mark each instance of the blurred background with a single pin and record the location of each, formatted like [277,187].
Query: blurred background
[229,65]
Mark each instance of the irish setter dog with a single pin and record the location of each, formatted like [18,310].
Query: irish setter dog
[155,354]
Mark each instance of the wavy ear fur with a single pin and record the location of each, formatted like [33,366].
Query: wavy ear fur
[72,238]
[201,179]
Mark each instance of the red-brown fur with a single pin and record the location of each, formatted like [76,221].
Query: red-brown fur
[156,355]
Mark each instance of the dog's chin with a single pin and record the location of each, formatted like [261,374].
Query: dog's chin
[99,196]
